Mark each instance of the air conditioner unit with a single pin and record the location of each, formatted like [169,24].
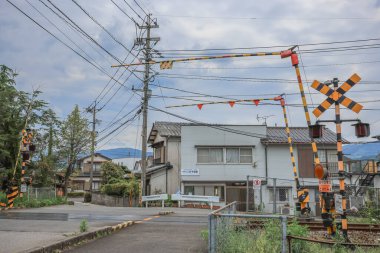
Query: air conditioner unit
[287,210]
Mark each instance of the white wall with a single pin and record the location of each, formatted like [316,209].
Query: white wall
[129,162]
[203,135]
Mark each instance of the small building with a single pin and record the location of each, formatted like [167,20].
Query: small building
[124,157]
[216,160]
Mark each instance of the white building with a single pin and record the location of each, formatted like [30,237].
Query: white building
[216,160]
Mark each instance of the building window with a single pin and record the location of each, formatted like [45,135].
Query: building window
[189,190]
[238,155]
[95,185]
[205,190]
[210,155]
[282,194]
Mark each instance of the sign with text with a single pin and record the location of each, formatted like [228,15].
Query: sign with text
[256,182]
[190,172]
[155,197]
[325,186]
[195,198]
[338,203]
[23,188]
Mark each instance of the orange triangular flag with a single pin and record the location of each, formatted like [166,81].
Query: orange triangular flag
[256,101]
[232,103]
[200,106]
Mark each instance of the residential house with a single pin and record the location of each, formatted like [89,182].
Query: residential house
[216,160]
[81,181]
[125,157]
[363,165]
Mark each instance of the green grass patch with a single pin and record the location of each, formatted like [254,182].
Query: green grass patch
[34,203]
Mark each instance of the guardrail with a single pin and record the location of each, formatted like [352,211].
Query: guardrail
[196,198]
[161,197]
[229,211]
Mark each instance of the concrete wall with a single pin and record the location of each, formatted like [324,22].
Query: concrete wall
[173,153]
[106,200]
[204,136]
[158,182]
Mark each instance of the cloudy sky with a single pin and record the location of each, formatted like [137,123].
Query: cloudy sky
[321,28]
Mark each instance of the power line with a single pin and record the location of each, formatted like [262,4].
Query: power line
[140,7]
[103,28]
[69,47]
[264,47]
[132,19]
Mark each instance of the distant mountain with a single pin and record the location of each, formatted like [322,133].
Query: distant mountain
[118,153]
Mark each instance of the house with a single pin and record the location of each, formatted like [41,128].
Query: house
[125,157]
[81,181]
[363,165]
[216,160]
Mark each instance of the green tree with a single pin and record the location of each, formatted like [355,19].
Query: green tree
[75,139]
[111,173]
[16,109]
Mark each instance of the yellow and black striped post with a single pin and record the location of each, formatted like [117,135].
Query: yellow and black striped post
[11,195]
[168,64]
[290,142]
[342,188]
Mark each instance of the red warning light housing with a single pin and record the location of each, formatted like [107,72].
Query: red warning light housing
[294,58]
[362,129]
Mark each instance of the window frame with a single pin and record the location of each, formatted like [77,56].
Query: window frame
[224,154]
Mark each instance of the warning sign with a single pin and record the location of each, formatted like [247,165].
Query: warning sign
[325,186]
[256,183]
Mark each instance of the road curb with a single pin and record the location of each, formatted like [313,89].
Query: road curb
[165,212]
[61,245]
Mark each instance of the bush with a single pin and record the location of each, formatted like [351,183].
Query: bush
[75,194]
[34,203]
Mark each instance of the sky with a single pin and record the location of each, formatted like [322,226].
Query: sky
[43,62]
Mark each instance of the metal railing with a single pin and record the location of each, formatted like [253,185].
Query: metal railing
[222,220]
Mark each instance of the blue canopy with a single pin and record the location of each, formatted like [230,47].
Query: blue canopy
[362,151]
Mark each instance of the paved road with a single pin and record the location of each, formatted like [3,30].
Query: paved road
[175,233]
[37,227]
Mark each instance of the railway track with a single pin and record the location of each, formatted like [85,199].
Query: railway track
[318,226]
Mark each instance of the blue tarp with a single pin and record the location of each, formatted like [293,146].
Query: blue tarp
[362,151]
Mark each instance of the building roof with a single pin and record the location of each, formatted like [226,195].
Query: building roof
[362,151]
[165,129]
[300,135]
[276,135]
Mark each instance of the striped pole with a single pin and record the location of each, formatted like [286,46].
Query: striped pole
[168,64]
[342,189]
[290,142]
[11,195]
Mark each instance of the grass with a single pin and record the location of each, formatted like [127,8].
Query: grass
[83,227]
[232,239]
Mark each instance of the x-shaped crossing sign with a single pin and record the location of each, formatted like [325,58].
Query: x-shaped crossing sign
[337,95]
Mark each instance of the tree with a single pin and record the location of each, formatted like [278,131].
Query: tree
[75,139]
[17,108]
[111,173]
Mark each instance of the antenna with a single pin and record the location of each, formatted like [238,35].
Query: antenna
[264,117]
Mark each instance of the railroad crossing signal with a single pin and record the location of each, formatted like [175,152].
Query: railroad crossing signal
[337,95]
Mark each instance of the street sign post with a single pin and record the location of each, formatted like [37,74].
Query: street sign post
[256,182]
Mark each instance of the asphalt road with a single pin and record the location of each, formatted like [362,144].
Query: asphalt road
[165,234]
[25,229]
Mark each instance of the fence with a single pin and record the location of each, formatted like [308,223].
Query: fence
[40,193]
[279,196]
[230,231]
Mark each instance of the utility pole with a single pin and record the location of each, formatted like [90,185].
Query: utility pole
[93,135]
[146,94]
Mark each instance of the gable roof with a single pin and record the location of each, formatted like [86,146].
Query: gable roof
[276,135]
[165,129]
[300,135]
